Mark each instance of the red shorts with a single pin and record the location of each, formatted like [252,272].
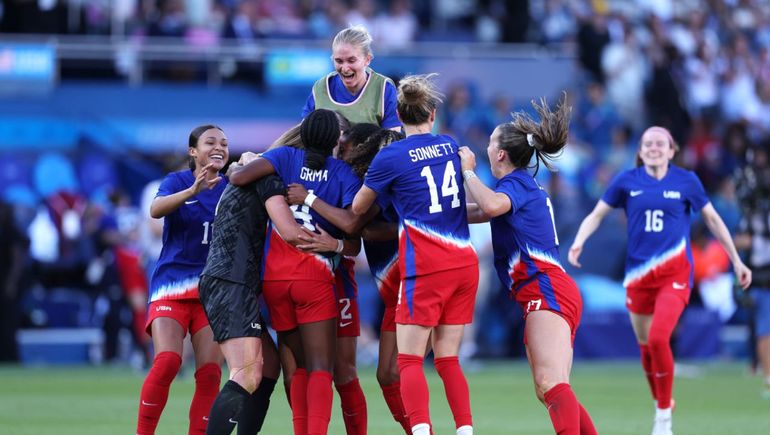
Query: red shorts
[388,289]
[640,298]
[188,312]
[130,272]
[442,298]
[555,292]
[292,303]
[346,289]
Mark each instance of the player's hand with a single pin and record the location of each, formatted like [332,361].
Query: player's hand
[296,194]
[574,254]
[203,182]
[316,242]
[247,158]
[467,159]
[743,274]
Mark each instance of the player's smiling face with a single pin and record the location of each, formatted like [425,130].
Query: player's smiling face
[656,150]
[350,63]
[211,148]
[495,155]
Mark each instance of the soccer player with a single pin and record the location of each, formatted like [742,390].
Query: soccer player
[353,89]
[358,147]
[229,290]
[438,265]
[186,199]
[298,287]
[658,198]
[526,254]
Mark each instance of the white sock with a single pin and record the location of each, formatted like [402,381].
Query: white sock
[663,413]
[421,429]
[465,430]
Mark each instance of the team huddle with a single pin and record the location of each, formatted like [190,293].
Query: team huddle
[281,229]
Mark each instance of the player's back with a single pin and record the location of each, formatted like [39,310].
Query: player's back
[524,239]
[426,189]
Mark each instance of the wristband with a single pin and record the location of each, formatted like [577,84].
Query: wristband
[468,174]
[309,199]
[340,246]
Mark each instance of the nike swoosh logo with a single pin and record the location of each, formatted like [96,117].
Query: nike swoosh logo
[205,418]
[660,375]
[342,325]
[148,404]
[678,286]
[635,192]
[191,202]
[232,421]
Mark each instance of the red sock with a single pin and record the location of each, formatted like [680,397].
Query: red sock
[207,380]
[319,405]
[564,409]
[154,393]
[586,424]
[392,394]
[644,349]
[414,388]
[298,398]
[456,388]
[668,309]
[353,404]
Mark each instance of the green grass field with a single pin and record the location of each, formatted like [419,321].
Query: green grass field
[721,400]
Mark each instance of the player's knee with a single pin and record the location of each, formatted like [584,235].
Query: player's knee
[209,374]
[249,377]
[166,366]
[544,382]
[657,342]
[387,375]
[344,373]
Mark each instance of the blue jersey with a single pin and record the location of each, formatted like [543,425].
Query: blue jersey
[341,95]
[186,236]
[335,183]
[382,256]
[421,175]
[524,239]
[658,214]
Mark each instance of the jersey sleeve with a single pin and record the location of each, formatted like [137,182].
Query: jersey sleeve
[380,173]
[696,194]
[309,105]
[513,190]
[169,185]
[279,157]
[270,186]
[615,196]
[389,116]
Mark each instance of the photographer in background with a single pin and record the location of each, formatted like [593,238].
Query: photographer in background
[753,189]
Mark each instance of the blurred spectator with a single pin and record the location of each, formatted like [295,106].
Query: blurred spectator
[623,67]
[12,259]
[592,37]
[397,27]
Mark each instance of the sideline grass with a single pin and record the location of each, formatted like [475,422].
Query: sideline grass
[722,400]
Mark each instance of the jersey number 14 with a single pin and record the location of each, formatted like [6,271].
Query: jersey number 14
[448,187]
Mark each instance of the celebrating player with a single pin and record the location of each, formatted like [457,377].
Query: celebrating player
[229,289]
[299,287]
[438,265]
[358,147]
[658,198]
[354,89]
[186,199]
[526,254]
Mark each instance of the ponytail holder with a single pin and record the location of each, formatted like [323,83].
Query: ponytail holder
[531,139]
